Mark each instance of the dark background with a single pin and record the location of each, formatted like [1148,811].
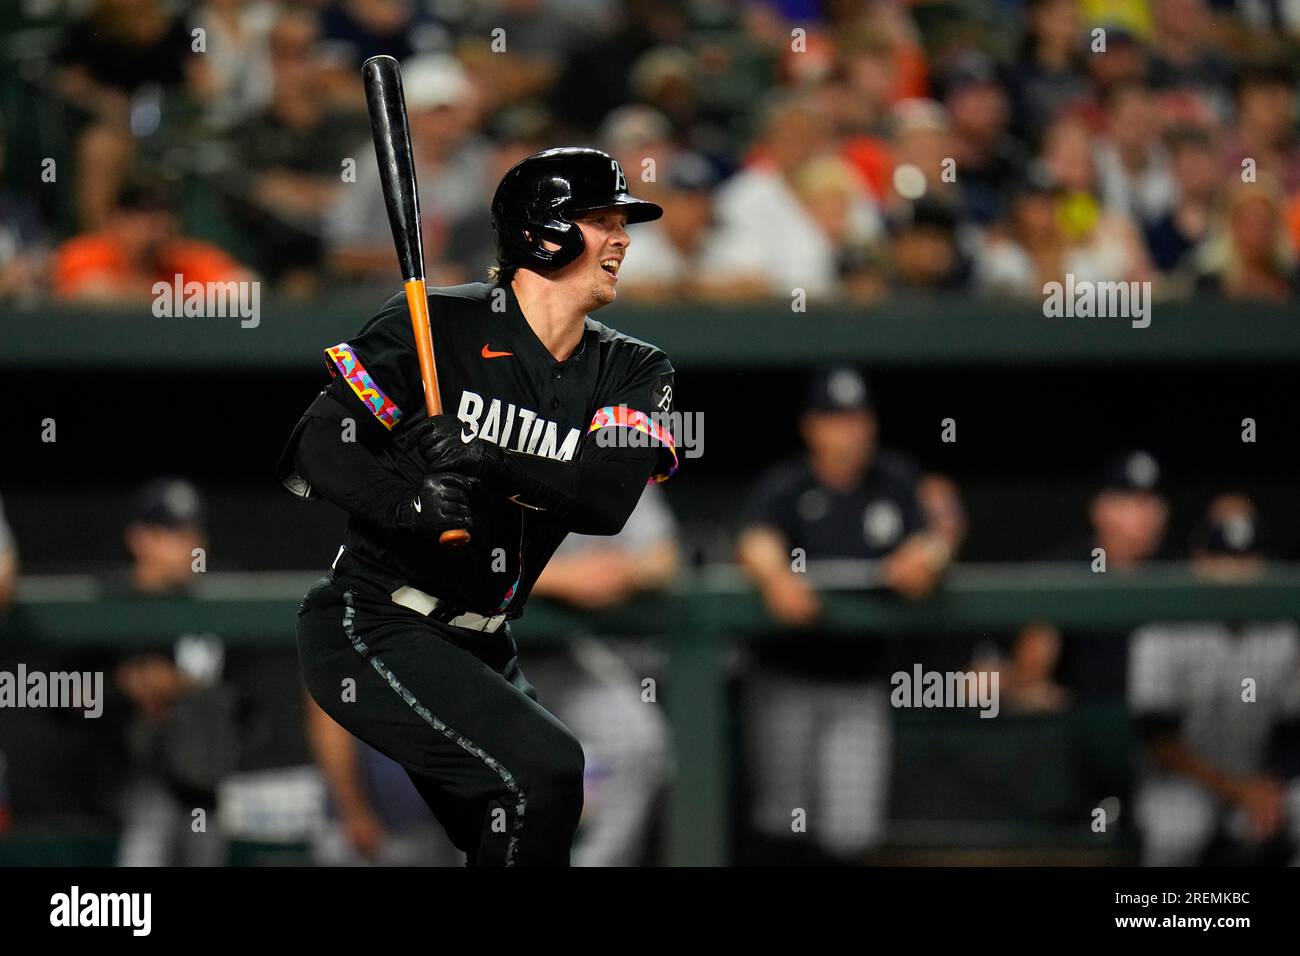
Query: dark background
[1030,442]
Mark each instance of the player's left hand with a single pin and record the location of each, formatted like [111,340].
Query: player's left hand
[441,446]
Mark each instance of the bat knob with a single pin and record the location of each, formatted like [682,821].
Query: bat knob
[455,538]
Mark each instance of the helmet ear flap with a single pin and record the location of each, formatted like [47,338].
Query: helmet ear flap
[524,243]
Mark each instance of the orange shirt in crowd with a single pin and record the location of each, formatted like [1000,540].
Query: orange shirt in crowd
[1293,221]
[94,265]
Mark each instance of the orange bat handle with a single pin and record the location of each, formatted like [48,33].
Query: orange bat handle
[417,303]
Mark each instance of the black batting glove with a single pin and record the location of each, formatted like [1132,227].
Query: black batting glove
[439,503]
[439,444]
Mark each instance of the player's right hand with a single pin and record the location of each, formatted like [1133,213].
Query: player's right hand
[792,602]
[439,503]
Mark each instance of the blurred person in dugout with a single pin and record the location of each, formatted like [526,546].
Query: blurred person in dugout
[1086,667]
[1217,705]
[816,708]
[1128,516]
[376,816]
[179,723]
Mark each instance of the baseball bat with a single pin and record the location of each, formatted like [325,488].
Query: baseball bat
[392,134]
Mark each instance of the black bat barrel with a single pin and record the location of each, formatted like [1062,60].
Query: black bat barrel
[388,123]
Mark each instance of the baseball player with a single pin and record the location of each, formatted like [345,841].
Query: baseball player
[405,642]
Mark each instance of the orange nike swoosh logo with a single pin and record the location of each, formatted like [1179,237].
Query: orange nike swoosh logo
[488,353]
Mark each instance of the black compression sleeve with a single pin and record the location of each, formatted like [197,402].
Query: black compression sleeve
[347,472]
[594,494]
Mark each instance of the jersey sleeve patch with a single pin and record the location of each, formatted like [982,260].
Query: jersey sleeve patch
[620,416]
[343,361]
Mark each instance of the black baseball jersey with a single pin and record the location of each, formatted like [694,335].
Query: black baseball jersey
[862,523]
[495,374]
[865,522]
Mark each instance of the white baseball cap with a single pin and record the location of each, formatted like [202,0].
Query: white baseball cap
[434,79]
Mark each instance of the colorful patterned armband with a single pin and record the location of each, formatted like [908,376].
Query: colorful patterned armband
[343,361]
[621,416]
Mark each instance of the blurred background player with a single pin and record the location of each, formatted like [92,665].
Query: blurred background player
[181,727]
[1216,703]
[376,816]
[1129,516]
[817,711]
[596,692]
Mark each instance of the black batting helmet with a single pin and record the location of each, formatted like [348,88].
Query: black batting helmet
[541,195]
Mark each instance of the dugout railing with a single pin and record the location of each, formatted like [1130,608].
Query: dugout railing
[709,613]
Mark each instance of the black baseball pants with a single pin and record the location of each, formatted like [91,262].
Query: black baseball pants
[500,772]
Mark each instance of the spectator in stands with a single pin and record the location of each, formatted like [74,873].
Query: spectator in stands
[987,158]
[924,253]
[1215,702]
[596,692]
[1248,254]
[8,561]
[867,85]
[453,162]
[1019,257]
[538,36]
[766,231]
[1049,77]
[181,735]
[233,77]
[668,79]
[922,138]
[673,255]
[118,49]
[816,707]
[472,246]
[376,816]
[291,155]
[1133,168]
[1264,140]
[1183,56]
[138,246]
[830,190]
[1102,246]
[594,79]
[641,139]
[367,28]
[1171,238]
[1124,59]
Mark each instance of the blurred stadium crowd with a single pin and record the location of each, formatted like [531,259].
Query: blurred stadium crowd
[849,148]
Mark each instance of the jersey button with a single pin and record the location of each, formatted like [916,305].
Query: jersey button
[557,373]
[555,403]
